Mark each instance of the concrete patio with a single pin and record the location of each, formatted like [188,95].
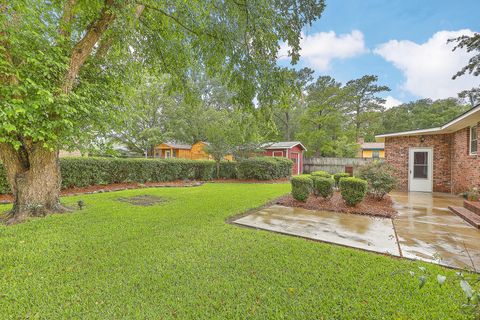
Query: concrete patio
[423,229]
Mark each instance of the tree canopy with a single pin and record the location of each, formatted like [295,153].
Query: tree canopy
[65,63]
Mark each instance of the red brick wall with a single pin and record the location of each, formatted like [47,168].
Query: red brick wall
[454,169]
[465,167]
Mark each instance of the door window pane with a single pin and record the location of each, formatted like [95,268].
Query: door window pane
[420,158]
[420,165]
[420,172]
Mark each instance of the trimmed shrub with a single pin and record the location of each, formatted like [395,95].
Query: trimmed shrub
[302,186]
[322,186]
[83,172]
[264,168]
[338,176]
[353,190]
[380,177]
[228,170]
[322,174]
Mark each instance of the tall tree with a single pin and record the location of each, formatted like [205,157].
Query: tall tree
[289,100]
[222,137]
[323,124]
[63,63]
[471,96]
[471,44]
[364,100]
[146,105]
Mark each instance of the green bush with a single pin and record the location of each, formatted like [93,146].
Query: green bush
[302,186]
[380,177]
[228,170]
[338,176]
[353,190]
[322,174]
[322,186]
[264,168]
[83,172]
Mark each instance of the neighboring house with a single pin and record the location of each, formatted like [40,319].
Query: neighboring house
[195,151]
[292,150]
[173,150]
[441,159]
[373,150]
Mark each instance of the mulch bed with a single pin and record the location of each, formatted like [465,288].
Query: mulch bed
[369,206]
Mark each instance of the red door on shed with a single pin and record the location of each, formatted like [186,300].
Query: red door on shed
[295,157]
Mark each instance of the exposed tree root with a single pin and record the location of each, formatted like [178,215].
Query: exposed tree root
[17,215]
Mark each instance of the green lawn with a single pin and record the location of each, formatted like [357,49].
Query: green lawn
[180,259]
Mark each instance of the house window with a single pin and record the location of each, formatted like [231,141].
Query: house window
[375,154]
[473,140]
[167,154]
[278,153]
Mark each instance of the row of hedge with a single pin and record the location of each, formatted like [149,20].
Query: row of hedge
[83,172]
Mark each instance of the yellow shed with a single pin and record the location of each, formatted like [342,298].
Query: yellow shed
[375,150]
[185,151]
[198,152]
[173,150]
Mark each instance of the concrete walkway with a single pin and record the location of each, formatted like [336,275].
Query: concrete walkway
[423,229]
[427,230]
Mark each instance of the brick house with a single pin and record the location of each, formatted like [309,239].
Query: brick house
[441,159]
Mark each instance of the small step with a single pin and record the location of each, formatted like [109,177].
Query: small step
[473,206]
[466,215]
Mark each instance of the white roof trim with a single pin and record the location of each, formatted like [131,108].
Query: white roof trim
[305,149]
[409,133]
[271,147]
[433,130]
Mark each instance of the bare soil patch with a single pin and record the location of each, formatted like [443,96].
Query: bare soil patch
[369,206]
[7,198]
[144,200]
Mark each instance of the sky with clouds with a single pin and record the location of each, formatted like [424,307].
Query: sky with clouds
[403,42]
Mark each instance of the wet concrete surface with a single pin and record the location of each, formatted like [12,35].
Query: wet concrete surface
[364,232]
[424,226]
[427,230]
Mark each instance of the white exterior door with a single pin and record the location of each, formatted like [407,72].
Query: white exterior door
[420,169]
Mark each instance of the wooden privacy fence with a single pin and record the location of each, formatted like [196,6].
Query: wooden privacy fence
[333,165]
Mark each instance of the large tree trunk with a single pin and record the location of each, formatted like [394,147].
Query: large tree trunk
[33,173]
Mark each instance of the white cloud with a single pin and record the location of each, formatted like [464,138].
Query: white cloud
[428,67]
[319,49]
[391,102]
